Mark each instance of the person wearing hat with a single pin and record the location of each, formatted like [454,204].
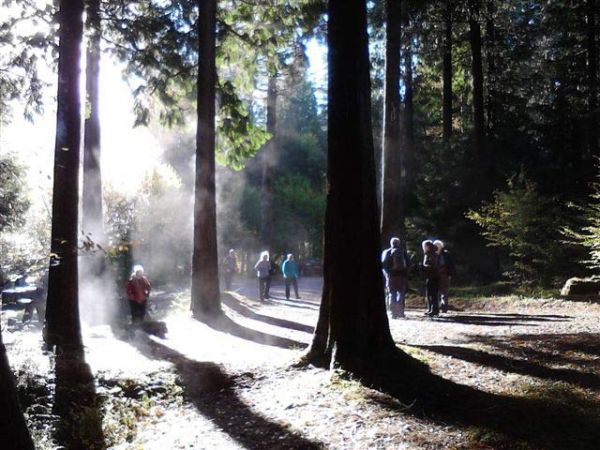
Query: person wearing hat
[431,272]
[446,271]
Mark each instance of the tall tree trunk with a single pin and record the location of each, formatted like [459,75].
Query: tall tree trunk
[268,157]
[592,69]
[491,57]
[13,428]
[62,312]
[206,302]
[357,329]
[408,156]
[477,76]
[447,73]
[92,182]
[392,201]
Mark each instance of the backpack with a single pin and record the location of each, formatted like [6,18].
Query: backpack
[398,263]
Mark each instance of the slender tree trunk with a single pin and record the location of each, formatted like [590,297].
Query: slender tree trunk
[477,76]
[92,181]
[447,73]
[62,312]
[392,209]
[206,302]
[268,157]
[408,156]
[491,56]
[357,331]
[592,69]
[13,428]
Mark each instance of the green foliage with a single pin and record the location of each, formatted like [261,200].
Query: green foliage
[523,222]
[587,234]
[13,200]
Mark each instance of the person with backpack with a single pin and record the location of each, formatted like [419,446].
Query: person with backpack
[446,271]
[395,264]
[432,278]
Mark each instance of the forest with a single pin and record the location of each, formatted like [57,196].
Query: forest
[298,224]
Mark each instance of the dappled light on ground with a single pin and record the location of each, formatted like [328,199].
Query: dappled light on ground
[494,375]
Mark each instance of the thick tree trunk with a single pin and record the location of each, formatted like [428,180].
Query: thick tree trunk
[447,73]
[357,331]
[13,428]
[592,69]
[62,312]
[392,201]
[477,76]
[92,183]
[268,158]
[206,302]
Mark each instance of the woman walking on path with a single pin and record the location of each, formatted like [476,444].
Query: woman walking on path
[263,272]
[138,290]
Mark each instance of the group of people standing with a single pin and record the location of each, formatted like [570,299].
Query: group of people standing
[265,270]
[437,268]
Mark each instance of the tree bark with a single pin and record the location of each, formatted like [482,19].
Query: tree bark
[592,69]
[62,312]
[477,77]
[92,181]
[13,428]
[357,330]
[491,56]
[268,160]
[447,73]
[408,156]
[206,302]
[392,201]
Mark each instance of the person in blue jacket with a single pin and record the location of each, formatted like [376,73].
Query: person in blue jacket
[290,271]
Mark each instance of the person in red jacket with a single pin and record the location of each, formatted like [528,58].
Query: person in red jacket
[138,289]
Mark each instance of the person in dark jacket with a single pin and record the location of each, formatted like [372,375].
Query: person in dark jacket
[446,271]
[395,264]
[432,279]
[138,290]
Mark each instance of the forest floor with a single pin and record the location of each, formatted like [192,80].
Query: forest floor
[507,373]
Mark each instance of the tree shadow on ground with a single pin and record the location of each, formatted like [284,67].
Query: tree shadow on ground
[295,303]
[506,422]
[573,349]
[225,324]
[76,403]
[514,365]
[237,305]
[499,319]
[212,392]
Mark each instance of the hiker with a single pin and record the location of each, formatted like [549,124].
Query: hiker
[395,263]
[446,271]
[263,272]
[290,272]
[230,268]
[138,289]
[431,272]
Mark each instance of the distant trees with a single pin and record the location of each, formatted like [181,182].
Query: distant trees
[352,328]
[62,312]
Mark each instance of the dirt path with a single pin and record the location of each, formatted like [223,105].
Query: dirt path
[522,365]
